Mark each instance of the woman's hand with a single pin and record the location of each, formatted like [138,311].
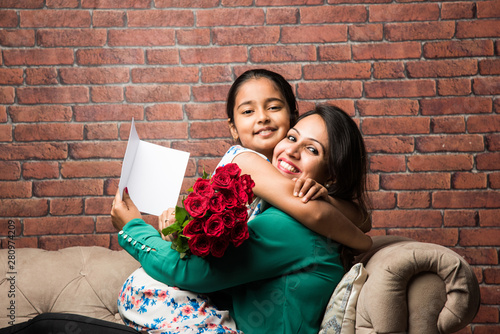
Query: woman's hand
[123,211]
[166,218]
[309,189]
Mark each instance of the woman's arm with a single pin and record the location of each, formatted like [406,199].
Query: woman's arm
[319,216]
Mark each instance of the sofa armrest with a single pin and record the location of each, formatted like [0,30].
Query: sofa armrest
[79,280]
[415,287]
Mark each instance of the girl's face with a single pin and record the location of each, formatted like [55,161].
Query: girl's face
[261,116]
[303,152]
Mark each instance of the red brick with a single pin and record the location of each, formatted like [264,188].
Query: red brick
[108,18]
[487,314]
[15,38]
[53,95]
[413,88]
[7,95]
[447,162]
[157,93]
[5,133]
[489,67]
[387,107]
[115,4]
[382,200]
[450,143]
[494,180]
[8,18]
[104,225]
[160,18]
[492,275]
[3,114]
[109,56]
[162,57]
[158,130]
[101,131]
[466,199]
[486,86]
[263,54]
[48,151]
[58,225]
[67,188]
[55,18]
[479,237]
[103,94]
[313,34]
[469,181]
[486,329]
[100,75]
[455,105]
[441,68]
[389,144]
[41,76]
[419,31]
[366,32]
[230,17]
[404,12]
[98,205]
[372,182]
[460,218]
[282,16]
[398,50]
[488,161]
[10,170]
[414,200]
[66,206]
[214,55]
[109,112]
[71,37]
[337,71]
[65,241]
[23,207]
[489,218]
[215,74]
[407,218]
[334,52]
[387,163]
[15,189]
[396,125]
[248,35]
[451,124]
[445,237]
[52,131]
[415,181]
[141,37]
[62,3]
[333,14]
[212,129]
[210,93]
[193,36]
[97,150]
[329,89]
[82,169]
[388,70]
[10,227]
[111,186]
[40,113]
[487,9]
[475,256]
[287,2]
[26,57]
[493,142]
[215,148]
[456,10]
[454,87]
[165,75]
[236,3]
[205,111]
[22,242]
[478,29]
[40,170]
[164,112]
[452,49]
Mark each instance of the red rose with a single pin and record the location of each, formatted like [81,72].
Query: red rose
[239,234]
[217,203]
[219,246]
[240,192]
[194,227]
[214,226]
[228,219]
[240,213]
[196,205]
[221,179]
[229,198]
[247,183]
[232,169]
[203,187]
[200,245]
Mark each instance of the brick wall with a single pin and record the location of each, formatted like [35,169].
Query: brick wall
[421,78]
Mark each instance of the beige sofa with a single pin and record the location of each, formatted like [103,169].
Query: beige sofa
[412,287]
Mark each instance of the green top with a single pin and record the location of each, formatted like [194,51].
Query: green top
[280,279]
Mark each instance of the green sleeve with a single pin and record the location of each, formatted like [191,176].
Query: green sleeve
[278,244]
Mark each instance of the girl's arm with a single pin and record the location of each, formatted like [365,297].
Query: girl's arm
[319,216]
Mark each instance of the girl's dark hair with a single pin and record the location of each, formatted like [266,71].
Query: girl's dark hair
[281,84]
[346,159]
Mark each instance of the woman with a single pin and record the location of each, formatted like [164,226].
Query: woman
[270,278]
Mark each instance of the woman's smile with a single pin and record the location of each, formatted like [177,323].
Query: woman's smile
[287,167]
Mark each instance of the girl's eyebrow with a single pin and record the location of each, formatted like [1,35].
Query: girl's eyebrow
[310,138]
[250,102]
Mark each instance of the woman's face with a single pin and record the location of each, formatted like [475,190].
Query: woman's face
[261,116]
[303,152]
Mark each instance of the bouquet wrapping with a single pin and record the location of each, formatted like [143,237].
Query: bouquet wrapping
[214,214]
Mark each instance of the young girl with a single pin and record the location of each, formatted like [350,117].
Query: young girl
[261,109]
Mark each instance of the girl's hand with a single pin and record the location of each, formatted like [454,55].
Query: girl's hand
[123,211]
[166,218]
[309,189]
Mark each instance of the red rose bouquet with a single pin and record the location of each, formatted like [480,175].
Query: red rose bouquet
[214,213]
